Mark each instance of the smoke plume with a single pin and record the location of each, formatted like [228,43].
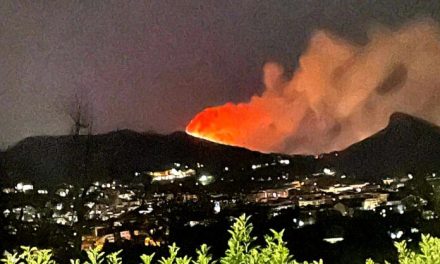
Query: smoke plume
[341,93]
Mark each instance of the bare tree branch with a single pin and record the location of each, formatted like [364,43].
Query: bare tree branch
[80,111]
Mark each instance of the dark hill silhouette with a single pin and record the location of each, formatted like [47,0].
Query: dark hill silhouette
[407,145]
[117,155]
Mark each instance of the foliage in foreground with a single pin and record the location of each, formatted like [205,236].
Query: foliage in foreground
[241,250]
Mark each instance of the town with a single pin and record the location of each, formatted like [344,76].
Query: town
[144,211]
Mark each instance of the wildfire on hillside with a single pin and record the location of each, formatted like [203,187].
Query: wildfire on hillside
[341,93]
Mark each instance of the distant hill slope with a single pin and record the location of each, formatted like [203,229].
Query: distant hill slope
[407,145]
[118,154]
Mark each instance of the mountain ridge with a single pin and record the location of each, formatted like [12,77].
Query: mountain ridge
[406,145]
[118,155]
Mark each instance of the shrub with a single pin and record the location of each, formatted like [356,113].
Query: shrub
[429,251]
[241,250]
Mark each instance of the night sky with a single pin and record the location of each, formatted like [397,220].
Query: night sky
[152,65]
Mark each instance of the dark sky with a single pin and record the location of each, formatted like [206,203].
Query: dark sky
[152,65]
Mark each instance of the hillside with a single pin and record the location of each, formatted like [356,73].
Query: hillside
[118,155]
[407,145]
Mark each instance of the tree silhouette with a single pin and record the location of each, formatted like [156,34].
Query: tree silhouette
[80,111]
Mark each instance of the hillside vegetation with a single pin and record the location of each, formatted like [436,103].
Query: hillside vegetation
[241,250]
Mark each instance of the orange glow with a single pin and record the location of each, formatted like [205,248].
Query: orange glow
[340,93]
[223,124]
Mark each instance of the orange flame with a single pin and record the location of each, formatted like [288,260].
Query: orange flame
[340,93]
[223,124]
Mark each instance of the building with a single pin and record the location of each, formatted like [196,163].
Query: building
[171,174]
[375,201]
[264,196]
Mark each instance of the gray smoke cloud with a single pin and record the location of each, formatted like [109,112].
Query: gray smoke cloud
[341,93]
[152,65]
